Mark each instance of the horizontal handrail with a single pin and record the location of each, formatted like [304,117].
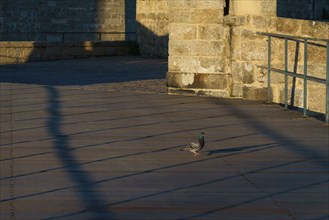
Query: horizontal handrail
[305,41]
[291,37]
[298,75]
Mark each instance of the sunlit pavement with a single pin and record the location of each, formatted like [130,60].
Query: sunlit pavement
[100,139]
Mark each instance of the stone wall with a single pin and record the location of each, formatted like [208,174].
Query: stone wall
[210,54]
[21,52]
[215,55]
[152,23]
[45,20]
[249,50]
[40,30]
[198,49]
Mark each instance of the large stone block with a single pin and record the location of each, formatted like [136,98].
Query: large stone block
[234,20]
[237,90]
[213,32]
[187,64]
[197,48]
[28,17]
[196,80]
[268,8]
[243,72]
[287,26]
[253,51]
[261,22]
[254,93]
[183,3]
[183,15]
[183,32]
[315,29]
[211,64]
[211,3]
[218,93]
[210,15]
[317,97]
[194,64]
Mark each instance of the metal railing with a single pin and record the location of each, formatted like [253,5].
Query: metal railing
[306,41]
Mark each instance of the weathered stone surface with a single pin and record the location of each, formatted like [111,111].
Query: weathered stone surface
[252,51]
[202,39]
[199,92]
[183,3]
[187,64]
[315,28]
[153,29]
[287,26]
[211,64]
[194,64]
[235,20]
[243,72]
[10,52]
[261,22]
[183,32]
[197,81]
[210,15]
[31,20]
[182,15]
[211,3]
[268,8]
[197,48]
[253,93]
[237,90]
[213,32]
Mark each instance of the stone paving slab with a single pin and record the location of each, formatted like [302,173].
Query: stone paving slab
[73,150]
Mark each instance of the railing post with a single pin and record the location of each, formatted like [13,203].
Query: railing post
[269,70]
[286,73]
[327,85]
[305,79]
[293,86]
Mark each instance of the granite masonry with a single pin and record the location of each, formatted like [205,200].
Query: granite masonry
[152,26]
[214,50]
[212,46]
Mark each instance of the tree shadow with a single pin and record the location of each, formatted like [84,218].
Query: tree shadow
[85,188]
[86,72]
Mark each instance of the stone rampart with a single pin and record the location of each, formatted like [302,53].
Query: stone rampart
[44,20]
[152,24]
[217,54]
[21,52]
[198,49]
[249,50]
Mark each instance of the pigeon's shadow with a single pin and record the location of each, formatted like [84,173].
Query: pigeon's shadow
[253,148]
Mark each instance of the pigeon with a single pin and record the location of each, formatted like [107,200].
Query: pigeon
[195,146]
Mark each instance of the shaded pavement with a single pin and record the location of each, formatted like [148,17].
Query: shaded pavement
[100,139]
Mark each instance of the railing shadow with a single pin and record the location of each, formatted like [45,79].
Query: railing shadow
[276,135]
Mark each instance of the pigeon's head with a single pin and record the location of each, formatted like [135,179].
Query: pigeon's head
[202,134]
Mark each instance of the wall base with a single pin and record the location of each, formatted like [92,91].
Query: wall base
[30,51]
[198,92]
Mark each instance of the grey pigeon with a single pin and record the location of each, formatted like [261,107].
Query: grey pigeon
[195,146]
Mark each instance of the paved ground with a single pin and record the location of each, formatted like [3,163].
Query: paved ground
[99,139]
